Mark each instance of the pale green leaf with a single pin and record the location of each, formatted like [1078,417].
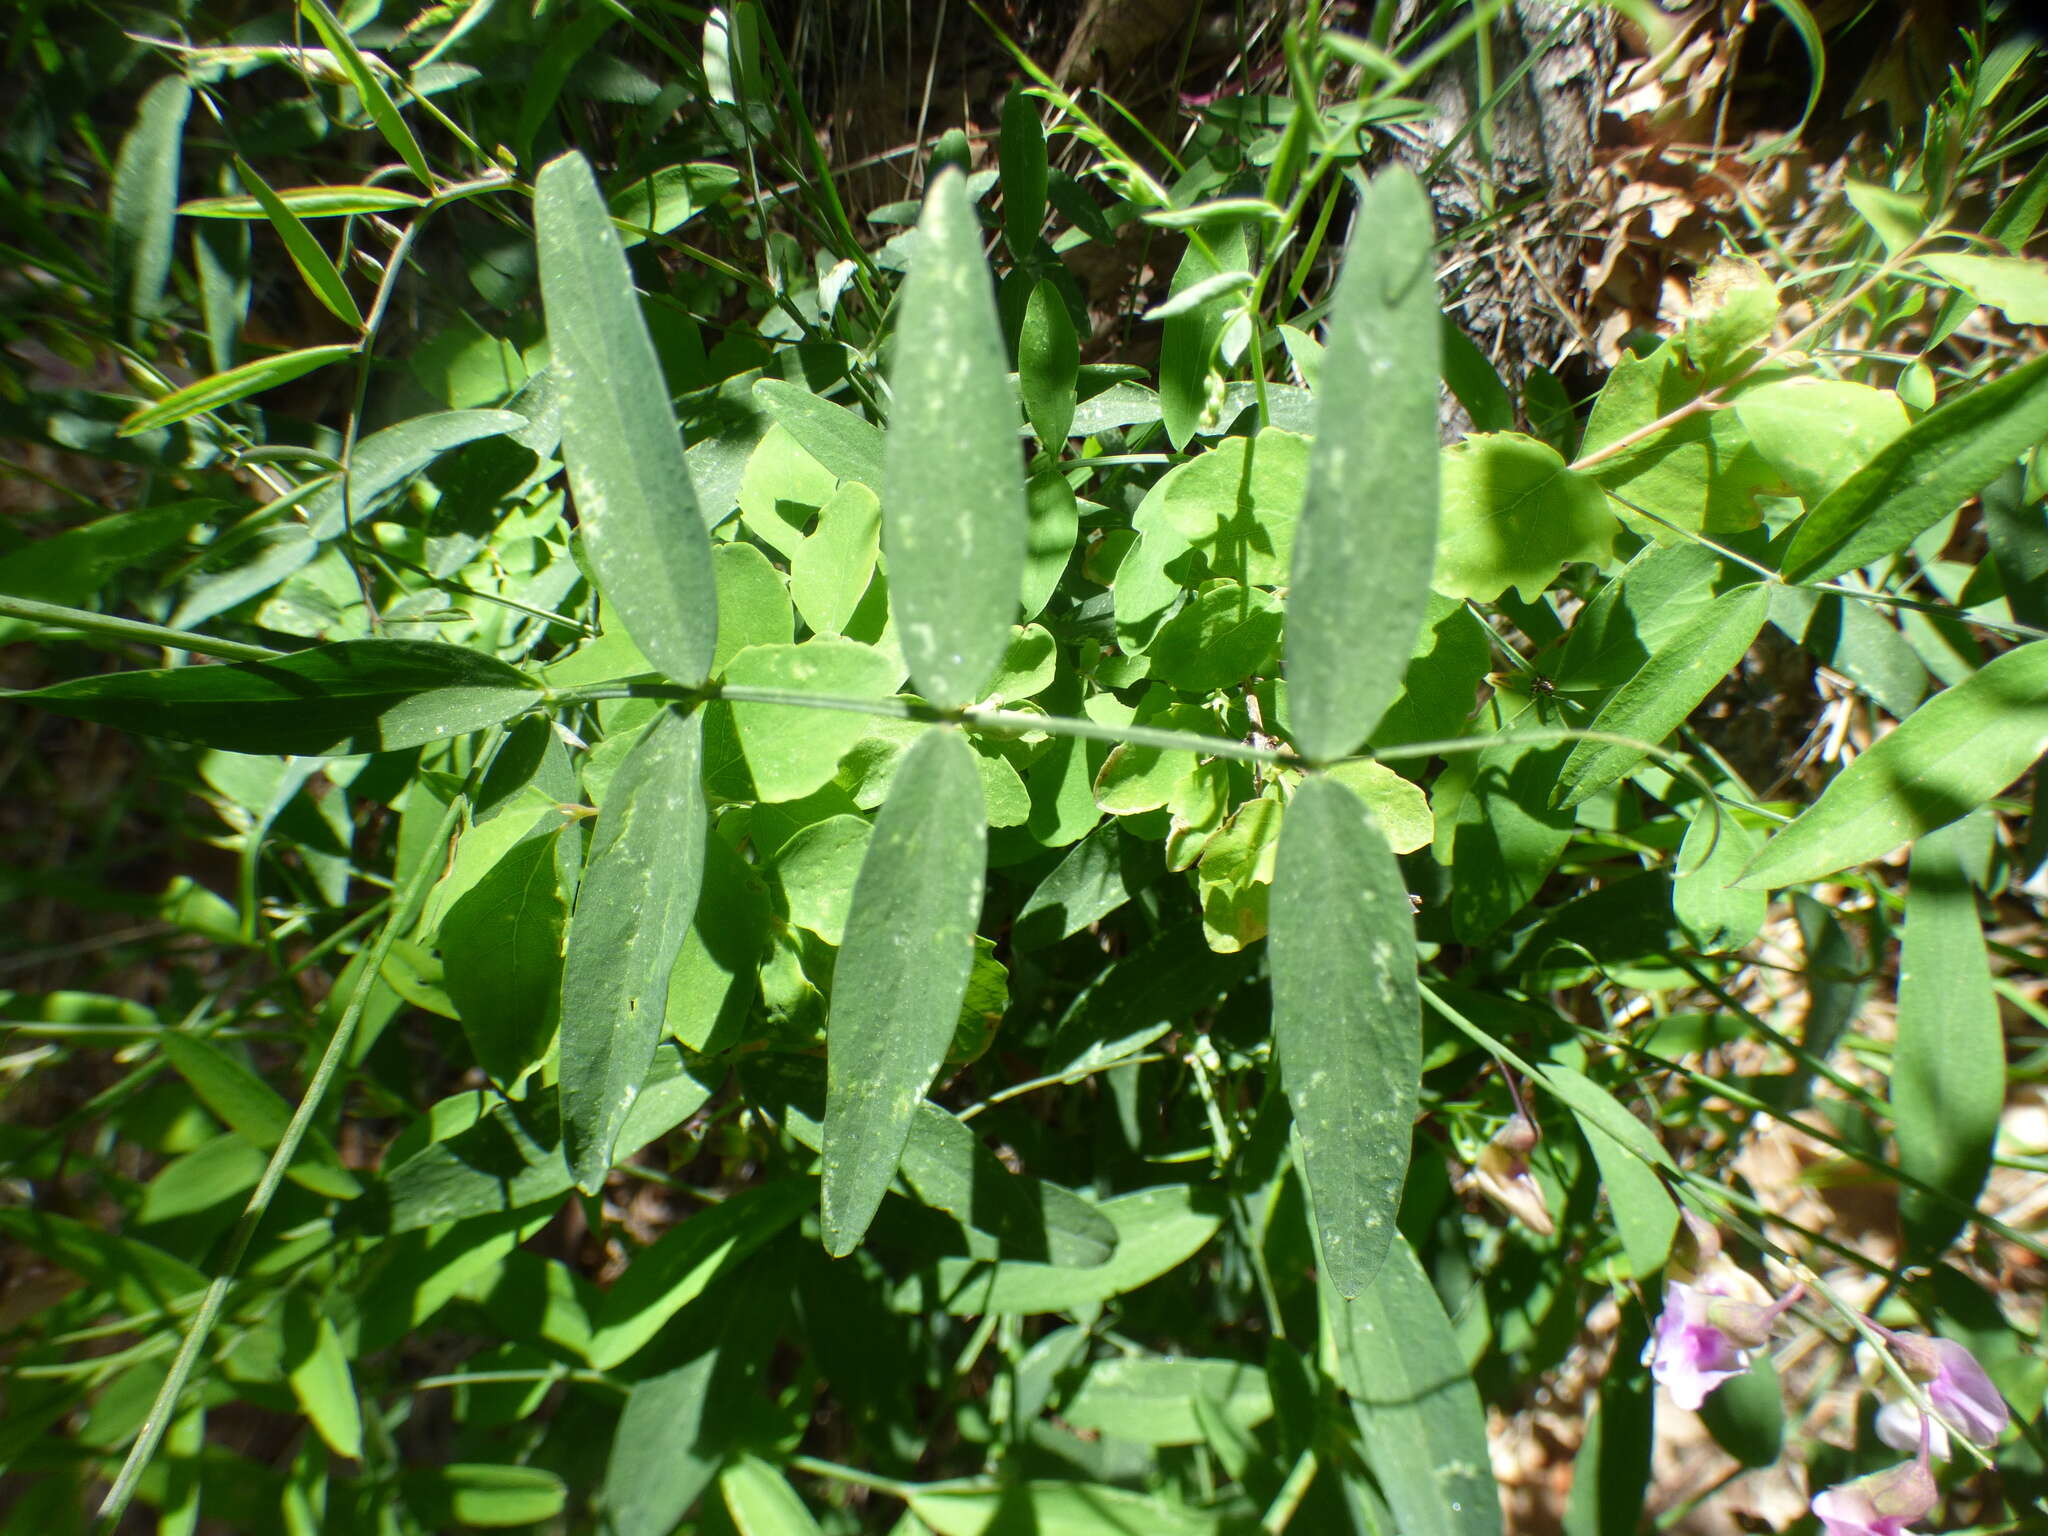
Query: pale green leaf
[307,254]
[1514,516]
[846,443]
[792,750]
[220,389]
[369,87]
[2014,284]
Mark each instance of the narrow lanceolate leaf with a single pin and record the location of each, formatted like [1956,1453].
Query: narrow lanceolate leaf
[1422,1427]
[1947,758]
[633,910]
[1670,686]
[1366,542]
[901,975]
[1048,365]
[953,514]
[634,501]
[307,254]
[306,202]
[143,213]
[1346,1021]
[1948,1068]
[353,696]
[1916,480]
[221,389]
[369,88]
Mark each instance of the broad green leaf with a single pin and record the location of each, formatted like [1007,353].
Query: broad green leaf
[1505,836]
[1898,219]
[1098,875]
[1029,665]
[1422,1427]
[665,200]
[369,88]
[2014,284]
[632,910]
[1187,343]
[1156,1230]
[501,947]
[1152,1401]
[658,1465]
[1440,688]
[1057,1509]
[307,254]
[753,602]
[1948,757]
[638,513]
[480,1495]
[817,869]
[1048,365]
[1366,543]
[793,750]
[317,1368]
[1717,915]
[1468,374]
[1818,432]
[1855,639]
[330,700]
[253,1109]
[1948,1067]
[1347,1021]
[1238,504]
[674,1270]
[830,571]
[1021,151]
[142,212]
[845,442]
[306,202]
[1224,635]
[1635,615]
[761,1503]
[901,975]
[1734,308]
[70,567]
[1513,516]
[1055,525]
[1398,806]
[714,983]
[1626,1152]
[782,488]
[1746,1414]
[236,384]
[1946,457]
[1670,686]
[953,514]
[1699,472]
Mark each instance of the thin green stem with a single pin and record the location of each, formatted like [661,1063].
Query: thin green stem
[56,616]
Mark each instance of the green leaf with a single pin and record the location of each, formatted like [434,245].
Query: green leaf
[1398,806]
[1746,1414]
[1192,300]
[1948,757]
[1366,542]
[474,1494]
[307,254]
[1630,618]
[1055,526]
[1421,1424]
[674,1270]
[1156,1230]
[1347,1021]
[1056,1509]
[753,602]
[1151,1401]
[1506,837]
[1818,432]
[632,910]
[331,700]
[501,946]
[761,1503]
[1513,516]
[792,750]
[817,868]
[317,1368]
[1948,1067]
[901,975]
[830,571]
[369,88]
[1224,635]
[640,525]
[1098,875]
[1626,1152]
[1946,457]
[1670,686]
[663,201]
[845,442]
[1048,365]
[2013,284]
[1734,308]
[236,384]
[1718,916]
[658,1464]
[253,1109]
[1021,152]
[70,567]
[142,212]
[1187,343]
[306,203]
[1899,220]
[953,512]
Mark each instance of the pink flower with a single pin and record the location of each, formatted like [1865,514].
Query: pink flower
[1710,1324]
[1883,1504]
[1964,1399]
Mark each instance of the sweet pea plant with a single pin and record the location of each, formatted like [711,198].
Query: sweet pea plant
[842,921]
